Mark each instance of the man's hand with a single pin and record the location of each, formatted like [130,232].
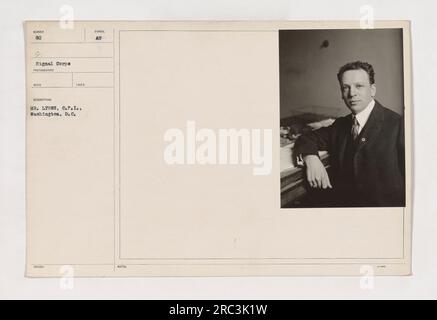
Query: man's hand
[316,172]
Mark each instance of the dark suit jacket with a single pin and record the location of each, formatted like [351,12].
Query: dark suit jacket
[378,178]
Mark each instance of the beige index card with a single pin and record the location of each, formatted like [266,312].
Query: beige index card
[153,149]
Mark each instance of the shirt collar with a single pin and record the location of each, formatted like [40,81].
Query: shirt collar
[363,116]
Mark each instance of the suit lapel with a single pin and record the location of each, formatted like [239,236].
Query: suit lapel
[371,128]
[342,139]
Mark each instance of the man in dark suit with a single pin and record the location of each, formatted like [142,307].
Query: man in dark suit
[366,148]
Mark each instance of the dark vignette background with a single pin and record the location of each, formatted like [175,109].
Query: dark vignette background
[310,59]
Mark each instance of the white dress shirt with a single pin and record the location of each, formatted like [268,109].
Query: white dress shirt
[363,115]
[362,118]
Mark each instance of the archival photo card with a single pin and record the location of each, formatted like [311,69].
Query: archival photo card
[218,148]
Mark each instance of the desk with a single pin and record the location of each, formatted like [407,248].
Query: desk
[294,186]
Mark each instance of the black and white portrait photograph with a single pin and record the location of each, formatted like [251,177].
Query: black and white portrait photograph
[342,118]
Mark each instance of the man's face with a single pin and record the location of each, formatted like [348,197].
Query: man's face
[357,92]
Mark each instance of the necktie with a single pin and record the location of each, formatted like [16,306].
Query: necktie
[355,127]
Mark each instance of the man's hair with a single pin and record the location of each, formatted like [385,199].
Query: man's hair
[357,65]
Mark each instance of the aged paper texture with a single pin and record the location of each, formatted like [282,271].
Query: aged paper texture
[153,149]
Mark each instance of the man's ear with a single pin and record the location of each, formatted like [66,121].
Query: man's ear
[373,90]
